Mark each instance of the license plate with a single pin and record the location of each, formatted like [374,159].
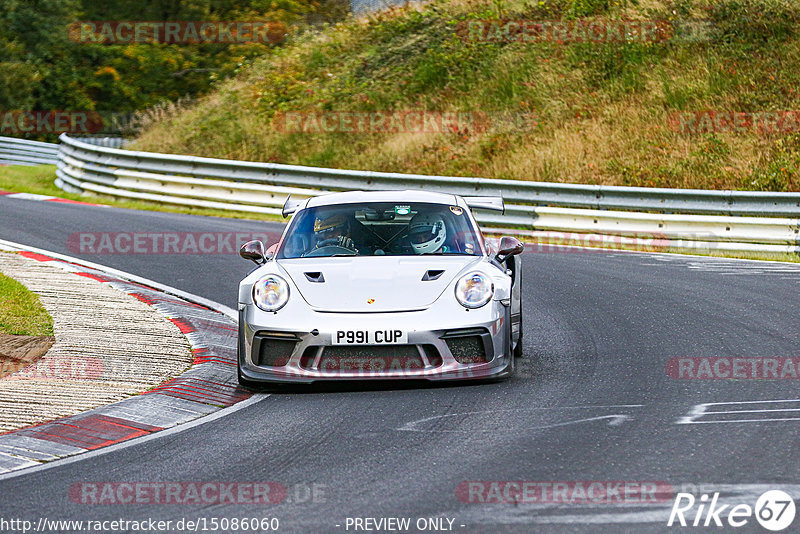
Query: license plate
[388,336]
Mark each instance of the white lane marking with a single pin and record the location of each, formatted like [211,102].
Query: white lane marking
[697,411]
[257,397]
[702,410]
[742,421]
[29,196]
[229,312]
[759,411]
[616,419]
[47,198]
[751,402]
[729,266]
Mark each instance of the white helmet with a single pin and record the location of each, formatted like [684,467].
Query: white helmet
[426,233]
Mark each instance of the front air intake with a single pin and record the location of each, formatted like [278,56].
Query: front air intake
[432,274]
[469,346]
[273,349]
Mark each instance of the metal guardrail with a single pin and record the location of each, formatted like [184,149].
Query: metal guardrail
[681,218]
[14,151]
[106,141]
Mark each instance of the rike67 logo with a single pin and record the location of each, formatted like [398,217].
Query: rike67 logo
[774,510]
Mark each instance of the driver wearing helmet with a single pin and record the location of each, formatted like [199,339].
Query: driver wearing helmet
[333,230]
[427,233]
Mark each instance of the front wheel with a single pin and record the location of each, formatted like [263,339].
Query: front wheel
[516,300]
[512,354]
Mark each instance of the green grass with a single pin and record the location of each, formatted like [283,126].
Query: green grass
[761,256]
[596,113]
[21,313]
[39,180]
[32,179]
[612,245]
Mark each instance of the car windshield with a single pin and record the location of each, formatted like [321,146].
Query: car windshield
[381,229]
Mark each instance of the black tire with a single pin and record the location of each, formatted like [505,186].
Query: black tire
[512,366]
[518,283]
[518,347]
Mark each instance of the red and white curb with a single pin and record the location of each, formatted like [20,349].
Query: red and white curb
[208,386]
[46,198]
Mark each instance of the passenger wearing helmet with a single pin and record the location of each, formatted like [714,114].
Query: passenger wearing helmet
[333,230]
[427,233]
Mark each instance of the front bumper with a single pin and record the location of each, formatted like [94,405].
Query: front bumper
[468,345]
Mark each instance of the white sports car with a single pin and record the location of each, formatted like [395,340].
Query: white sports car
[381,285]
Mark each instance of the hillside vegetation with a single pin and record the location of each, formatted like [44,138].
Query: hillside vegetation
[21,313]
[583,112]
[45,65]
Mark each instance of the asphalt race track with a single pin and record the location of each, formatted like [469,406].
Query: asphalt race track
[591,401]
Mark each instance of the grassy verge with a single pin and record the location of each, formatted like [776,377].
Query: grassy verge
[39,180]
[614,244]
[762,256]
[578,112]
[21,313]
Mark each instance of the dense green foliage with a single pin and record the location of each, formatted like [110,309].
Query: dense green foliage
[587,112]
[42,69]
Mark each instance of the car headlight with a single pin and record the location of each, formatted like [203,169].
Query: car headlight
[271,293]
[474,290]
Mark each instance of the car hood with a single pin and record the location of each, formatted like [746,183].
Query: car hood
[374,284]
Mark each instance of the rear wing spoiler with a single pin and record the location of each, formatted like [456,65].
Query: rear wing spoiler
[481,203]
[486,203]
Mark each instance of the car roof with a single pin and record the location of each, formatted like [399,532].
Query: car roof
[350,197]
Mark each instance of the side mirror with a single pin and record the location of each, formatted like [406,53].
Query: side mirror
[509,246]
[253,251]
